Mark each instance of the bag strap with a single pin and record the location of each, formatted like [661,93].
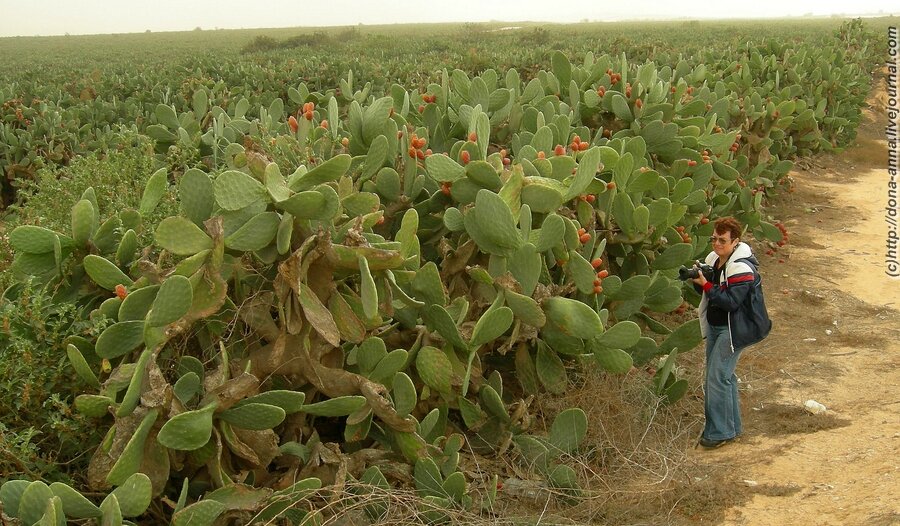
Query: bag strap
[748,262]
[755,270]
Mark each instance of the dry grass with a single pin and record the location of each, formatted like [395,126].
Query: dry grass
[866,153]
[357,504]
[635,462]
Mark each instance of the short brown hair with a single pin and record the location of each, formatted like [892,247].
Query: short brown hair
[728,224]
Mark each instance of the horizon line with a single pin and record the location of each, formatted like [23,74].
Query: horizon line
[460,22]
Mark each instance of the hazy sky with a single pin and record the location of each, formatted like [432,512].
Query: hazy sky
[56,17]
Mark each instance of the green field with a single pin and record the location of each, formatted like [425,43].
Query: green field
[248,273]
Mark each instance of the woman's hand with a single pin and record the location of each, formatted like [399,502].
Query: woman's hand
[700,280]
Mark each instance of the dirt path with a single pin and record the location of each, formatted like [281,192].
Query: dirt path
[836,340]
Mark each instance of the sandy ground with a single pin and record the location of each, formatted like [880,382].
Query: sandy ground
[836,339]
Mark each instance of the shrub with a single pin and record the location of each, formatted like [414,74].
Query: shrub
[348,34]
[317,39]
[118,178]
[39,433]
[536,37]
[260,44]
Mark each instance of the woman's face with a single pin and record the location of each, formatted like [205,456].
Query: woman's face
[722,243]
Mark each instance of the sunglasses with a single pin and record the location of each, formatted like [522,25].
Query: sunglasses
[720,240]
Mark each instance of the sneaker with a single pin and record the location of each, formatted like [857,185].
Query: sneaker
[713,444]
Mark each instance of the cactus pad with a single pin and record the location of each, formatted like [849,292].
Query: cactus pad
[492,324]
[256,233]
[105,273]
[290,401]
[82,223]
[393,362]
[110,511]
[188,431]
[444,169]
[137,304]
[525,309]
[568,430]
[255,416]
[74,504]
[551,233]
[404,393]
[330,170]
[36,240]
[172,301]
[135,386]
[439,319]
[235,190]
[612,360]
[434,369]
[490,223]
[120,338]
[130,459]
[181,237]
[550,370]
[133,496]
[492,403]
[33,502]
[81,366]
[622,335]
[11,494]
[684,338]
[573,317]
[196,196]
[368,294]
[154,191]
[92,405]
[338,406]
[526,373]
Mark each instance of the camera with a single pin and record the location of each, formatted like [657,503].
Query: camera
[685,273]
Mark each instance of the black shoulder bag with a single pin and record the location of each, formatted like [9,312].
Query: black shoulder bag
[756,316]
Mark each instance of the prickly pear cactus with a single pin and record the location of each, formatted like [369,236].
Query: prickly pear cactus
[405,287]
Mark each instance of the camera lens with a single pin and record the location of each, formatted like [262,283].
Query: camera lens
[685,273]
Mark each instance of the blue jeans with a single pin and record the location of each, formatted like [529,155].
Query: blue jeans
[720,401]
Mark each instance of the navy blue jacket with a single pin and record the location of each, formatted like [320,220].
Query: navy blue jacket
[739,292]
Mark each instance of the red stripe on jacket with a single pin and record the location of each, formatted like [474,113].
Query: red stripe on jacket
[740,278]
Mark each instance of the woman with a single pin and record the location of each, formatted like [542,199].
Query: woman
[726,320]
